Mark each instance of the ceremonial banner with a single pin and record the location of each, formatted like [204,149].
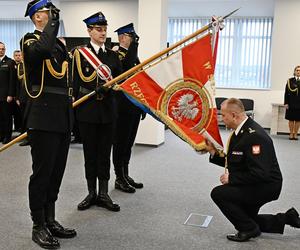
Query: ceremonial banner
[179,90]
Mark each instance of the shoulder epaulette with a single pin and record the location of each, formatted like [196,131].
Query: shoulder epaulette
[30,38]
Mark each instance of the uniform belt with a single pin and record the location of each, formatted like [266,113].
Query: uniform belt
[84,90]
[54,90]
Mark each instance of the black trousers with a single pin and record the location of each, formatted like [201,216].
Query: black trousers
[125,132]
[23,119]
[241,204]
[17,115]
[49,151]
[97,143]
[75,130]
[5,120]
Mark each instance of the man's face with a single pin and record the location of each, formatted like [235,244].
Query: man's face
[41,18]
[2,50]
[227,117]
[98,34]
[297,72]
[18,57]
[125,40]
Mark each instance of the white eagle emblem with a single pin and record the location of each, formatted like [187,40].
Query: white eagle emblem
[187,108]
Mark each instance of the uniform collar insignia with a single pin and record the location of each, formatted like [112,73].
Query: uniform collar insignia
[251,130]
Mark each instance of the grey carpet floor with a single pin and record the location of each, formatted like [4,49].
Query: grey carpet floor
[177,182]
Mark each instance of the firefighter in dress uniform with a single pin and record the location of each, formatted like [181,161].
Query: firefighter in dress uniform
[96,116]
[129,115]
[292,103]
[16,110]
[7,93]
[49,119]
[252,177]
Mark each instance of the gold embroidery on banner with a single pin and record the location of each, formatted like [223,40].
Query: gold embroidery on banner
[137,92]
[207,65]
[206,115]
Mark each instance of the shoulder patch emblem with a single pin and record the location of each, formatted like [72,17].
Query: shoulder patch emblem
[256,149]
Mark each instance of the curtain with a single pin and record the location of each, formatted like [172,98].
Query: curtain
[12,31]
[244,51]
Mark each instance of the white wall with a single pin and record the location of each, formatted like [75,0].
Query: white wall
[187,8]
[13,9]
[286,42]
[117,13]
[16,9]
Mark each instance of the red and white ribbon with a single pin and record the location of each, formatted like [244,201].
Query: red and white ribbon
[103,71]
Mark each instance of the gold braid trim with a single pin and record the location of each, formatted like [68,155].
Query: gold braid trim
[78,64]
[24,68]
[121,55]
[290,89]
[53,72]
[20,77]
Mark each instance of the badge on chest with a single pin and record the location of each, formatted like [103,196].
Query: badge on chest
[256,149]
[237,153]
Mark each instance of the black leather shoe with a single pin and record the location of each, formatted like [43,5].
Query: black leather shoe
[123,185]
[292,218]
[24,143]
[87,202]
[103,200]
[133,183]
[244,236]
[42,236]
[59,231]
[75,141]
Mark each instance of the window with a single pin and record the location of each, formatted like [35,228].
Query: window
[244,51]
[12,31]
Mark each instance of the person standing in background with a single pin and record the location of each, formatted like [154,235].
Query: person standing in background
[21,95]
[7,93]
[292,103]
[129,115]
[16,109]
[49,120]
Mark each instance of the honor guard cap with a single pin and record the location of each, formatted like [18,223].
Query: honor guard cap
[129,29]
[96,19]
[37,5]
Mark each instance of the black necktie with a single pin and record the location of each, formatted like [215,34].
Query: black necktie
[100,52]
